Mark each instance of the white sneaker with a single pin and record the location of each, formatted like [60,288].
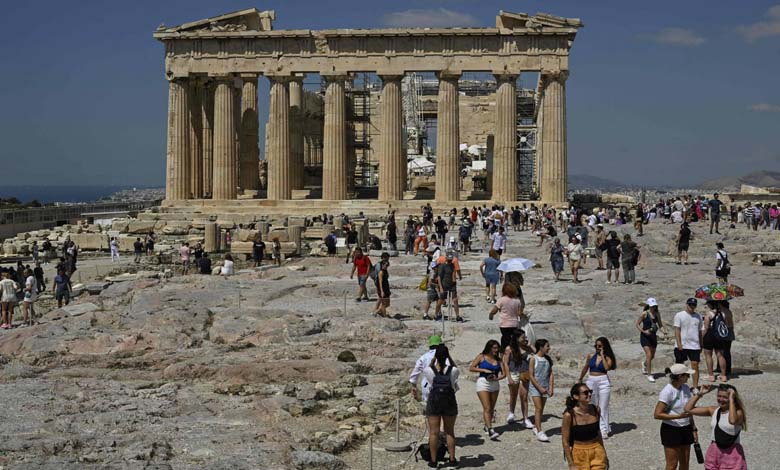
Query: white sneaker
[528,424]
[650,378]
[510,418]
[542,437]
[644,367]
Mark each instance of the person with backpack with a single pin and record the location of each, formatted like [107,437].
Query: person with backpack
[717,336]
[583,447]
[629,258]
[442,405]
[723,266]
[448,274]
[728,420]
[330,243]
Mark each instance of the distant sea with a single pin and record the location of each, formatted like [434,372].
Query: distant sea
[47,194]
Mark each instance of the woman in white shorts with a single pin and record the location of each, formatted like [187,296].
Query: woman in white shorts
[491,370]
[542,384]
[516,356]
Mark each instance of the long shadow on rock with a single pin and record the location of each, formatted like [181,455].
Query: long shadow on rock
[475,461]
[469,440]
[736,373]
[619,428]
[553,431]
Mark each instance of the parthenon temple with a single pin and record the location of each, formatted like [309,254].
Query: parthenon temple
[349,138]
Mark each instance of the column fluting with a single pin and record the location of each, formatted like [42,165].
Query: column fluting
[177,175]
[196,140]
[334,152]
[249,176]
[554,138]
[225,163]
[392,155]
[505,148]
[447,140]
[278,150]
[207,133]
[296,131]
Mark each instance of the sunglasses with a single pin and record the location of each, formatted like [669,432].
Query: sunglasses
[586,392]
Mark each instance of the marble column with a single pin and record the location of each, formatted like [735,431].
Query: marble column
[306,151]
[554,137]
[207,133]
[249,173]
[447,140]
[177,175]
[278,133]
[334,152]
[392,154]
[225,164]
[505,147]
[196,140]
[296,131]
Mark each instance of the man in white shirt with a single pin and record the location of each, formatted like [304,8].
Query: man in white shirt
[423,362]
[499,241]
[687,334]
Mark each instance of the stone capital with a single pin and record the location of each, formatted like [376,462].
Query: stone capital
[449,74]
[249,76]
[555,75]
[390,77]
[221,76]
[504,75]
[335,75]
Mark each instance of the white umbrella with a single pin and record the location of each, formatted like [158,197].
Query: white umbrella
[516,264]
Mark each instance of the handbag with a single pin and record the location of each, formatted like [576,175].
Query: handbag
[423,283]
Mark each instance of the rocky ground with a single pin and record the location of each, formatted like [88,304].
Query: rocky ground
[280,368]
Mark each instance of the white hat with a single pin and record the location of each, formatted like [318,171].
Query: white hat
[651,302]
[452,239]
[680,369]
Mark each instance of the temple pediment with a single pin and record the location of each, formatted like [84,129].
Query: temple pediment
[508,21]
[250,19]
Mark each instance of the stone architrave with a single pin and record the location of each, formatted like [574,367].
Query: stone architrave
[249,178]
[207,147]
[392,155]
[447,140]
[177,178]
[505,148]
[278,133]
[334,164]
[296,132]
[225,164]
[554,137]
[196,139]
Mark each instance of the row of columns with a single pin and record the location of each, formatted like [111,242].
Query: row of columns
[213,136]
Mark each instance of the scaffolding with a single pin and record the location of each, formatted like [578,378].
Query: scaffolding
[527,138]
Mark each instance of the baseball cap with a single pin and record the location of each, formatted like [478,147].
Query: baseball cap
[435,340]
[651,302]
[450,254]
[452,239]
[692,301]
[680,369]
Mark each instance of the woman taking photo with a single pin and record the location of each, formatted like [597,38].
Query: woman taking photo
[542,384]
[597,365]
[441,404]
[728,421]
[489,270]
[677,429]
[648,324]
[516,356]
[491,369]
[583,447]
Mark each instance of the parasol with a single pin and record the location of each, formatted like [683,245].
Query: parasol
[717,291]
[516,264]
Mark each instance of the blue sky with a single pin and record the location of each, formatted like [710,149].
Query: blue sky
[660,92]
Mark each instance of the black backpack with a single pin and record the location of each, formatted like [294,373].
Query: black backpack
[442,384]
[720,329]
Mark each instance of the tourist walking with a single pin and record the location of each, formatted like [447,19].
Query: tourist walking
[516,356]
[258,250]
[423,361]
[648,324]
[489,270]
[491,370]
[629,257]
[728,419]
[499,241]
[8,290]
[597,367]
[61,288]
[29,298]
[149,241]
[613,257]
[276,251]
[38,273]
[683,242]
[687,334]
[601,239]
[362,264]
[441,406]
[677,429]
[583,447]
[574,253]
[114,249]
[715,205]
[35,251]
[448,274]
[383,289]
[542,384]
[185,253]
[432,293]
[509,309]
[556,258]
[723,266]
[421,232]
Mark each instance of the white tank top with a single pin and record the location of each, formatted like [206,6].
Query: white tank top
[724,425]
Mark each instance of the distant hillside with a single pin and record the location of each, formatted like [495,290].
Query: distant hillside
[757,178]
[585,182]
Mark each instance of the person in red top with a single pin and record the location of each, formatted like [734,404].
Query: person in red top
[362,264]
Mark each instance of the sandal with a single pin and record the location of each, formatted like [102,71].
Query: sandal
[710,378]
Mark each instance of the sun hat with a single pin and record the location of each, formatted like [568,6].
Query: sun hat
[677,369]
[651,302]
[435,340]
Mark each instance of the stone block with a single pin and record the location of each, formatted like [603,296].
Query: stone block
[76,310]
[241,247]
[281,234]
[90,241]
[126,243]
[244,235]
[120,224]
[140,226]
